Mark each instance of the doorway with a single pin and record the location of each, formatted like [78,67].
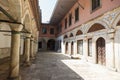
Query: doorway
[72,48]
[51,44]
[66,48]
[101,55]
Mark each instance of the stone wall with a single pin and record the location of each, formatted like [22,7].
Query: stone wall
[4,52]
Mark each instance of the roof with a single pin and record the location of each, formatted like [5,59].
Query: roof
[61,9]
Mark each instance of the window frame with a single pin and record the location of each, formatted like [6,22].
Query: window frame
[66,23]
[93,10]
[76,16]
[70,19]
[90,48]
[52,32]
[45,30]
[81,43]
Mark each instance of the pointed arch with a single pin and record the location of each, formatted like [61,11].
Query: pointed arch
[71,35]
[79,32]
[118,24]
[65,36]
[96,27]
[27,22]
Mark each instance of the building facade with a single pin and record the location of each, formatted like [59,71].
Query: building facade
[19,32]
[47,37]
[89,29]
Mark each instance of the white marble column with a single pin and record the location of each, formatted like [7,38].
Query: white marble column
[63,47]
[69,48]
[27,50]
[15,52]
[110,51]
[75,48]
[85,48]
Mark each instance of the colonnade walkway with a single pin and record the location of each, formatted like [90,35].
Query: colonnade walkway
[56,66]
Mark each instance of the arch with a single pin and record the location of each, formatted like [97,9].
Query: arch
[65,36]
[51,44]
[42,43]
[71,35]
[79,32]
[100,51]
[16,5]
[27,22]
[116,22]
[88,26]
[96,27]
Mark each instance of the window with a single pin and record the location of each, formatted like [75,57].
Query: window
[89,47]
[76,14]
[70,19]
[60,28]
[95,4]
[80,47]
[44,30]
[65,23]
[51,30]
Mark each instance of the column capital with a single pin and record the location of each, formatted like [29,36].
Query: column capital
[16,27]
[28,35]
[111,33]
[32,39]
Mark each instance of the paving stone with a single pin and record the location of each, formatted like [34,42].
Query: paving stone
[56,66]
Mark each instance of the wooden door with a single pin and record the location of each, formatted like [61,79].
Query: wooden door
[101,56]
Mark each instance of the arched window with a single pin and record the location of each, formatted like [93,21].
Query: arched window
[118,24]
[71,35]
[79,32]
[65,36]
[96,27]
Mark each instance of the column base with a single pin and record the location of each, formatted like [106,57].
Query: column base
[75,57]
[14,78]
[27,64]
[32,58]
[112,69]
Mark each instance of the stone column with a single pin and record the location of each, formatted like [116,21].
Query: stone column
[75,47]
[110,50]
[63,47]
[31,48]
[85,48]
[15,49]
[69,48]
[27,50]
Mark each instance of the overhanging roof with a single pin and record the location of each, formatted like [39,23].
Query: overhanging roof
[61,9]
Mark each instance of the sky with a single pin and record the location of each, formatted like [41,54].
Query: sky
[47,7]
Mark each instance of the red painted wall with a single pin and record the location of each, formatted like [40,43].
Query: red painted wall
[48,31]
[86,14]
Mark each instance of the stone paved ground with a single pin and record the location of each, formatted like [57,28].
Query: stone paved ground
[56,66]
